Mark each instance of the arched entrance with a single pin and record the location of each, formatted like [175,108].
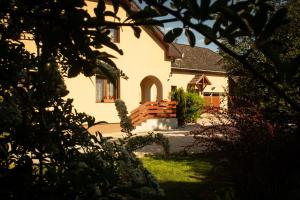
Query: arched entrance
[151,89]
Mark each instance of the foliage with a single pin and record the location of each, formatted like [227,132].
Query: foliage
[289,32]
[137,142]
[230,21]
[45,150]
[287,78]
[125,121]
[260,142]
[194,104]
[180,96]
[259,134]
[260,154]
[189,105]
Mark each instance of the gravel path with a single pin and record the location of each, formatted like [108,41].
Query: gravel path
[178,138]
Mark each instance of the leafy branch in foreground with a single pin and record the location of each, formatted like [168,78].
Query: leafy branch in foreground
[231,21]
[45,150]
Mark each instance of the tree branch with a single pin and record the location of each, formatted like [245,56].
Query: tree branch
[238,57]
[144,23]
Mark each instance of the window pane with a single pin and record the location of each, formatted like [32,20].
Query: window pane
[105,90]
[110,90]
[99,89]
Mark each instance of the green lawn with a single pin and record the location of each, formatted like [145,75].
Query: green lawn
[182,177]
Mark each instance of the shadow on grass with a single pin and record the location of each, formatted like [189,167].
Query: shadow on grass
[186,191]
[207,179]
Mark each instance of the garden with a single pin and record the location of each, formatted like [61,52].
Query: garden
[46,151]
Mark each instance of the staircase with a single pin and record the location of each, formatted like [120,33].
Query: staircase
[153,110]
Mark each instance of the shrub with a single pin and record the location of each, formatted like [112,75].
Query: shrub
[179,96]
[189,106]
[194,106]
[45,150]
[261,154]
[49,154]
[125,121]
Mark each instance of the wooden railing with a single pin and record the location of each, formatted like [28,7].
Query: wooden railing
[149,110]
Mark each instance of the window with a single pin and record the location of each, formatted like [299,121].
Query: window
[212,99]
[105,90]
[115,34]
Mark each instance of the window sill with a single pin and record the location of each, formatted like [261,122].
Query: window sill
[106,101]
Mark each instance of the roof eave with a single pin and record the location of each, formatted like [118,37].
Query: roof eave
[198,70]
[171,51]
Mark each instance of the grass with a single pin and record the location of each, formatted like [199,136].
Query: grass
[176,169]
[182,177]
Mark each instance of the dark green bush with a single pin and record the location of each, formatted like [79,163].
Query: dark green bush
[46,151]
[194,106]
[189,106]
[179,96]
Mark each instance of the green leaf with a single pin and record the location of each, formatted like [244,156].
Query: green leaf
[204,9]
[205,30]
[79,3]
[74,70]
[172,35]
[235,18]
[217,4]
[276,20]
[146,13]
[89,70]
[100,8]
[107,70]
[108,61]
[271,49]
[112,14]
[216,25]
[137,31]
[105,40]
[293,67]
[191,37]
[90,121]
[228,36]
[116,5]
[193,8]
[154,22]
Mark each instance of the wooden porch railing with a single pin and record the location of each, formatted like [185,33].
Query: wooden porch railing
[149,110]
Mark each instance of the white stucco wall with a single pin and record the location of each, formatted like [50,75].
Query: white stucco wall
[219,82]
[142,57]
